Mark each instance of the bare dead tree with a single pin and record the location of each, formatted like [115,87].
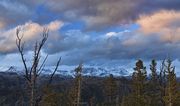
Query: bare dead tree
[33,72]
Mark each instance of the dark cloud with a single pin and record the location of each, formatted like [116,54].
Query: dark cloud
[76,46]
[104,49]
[14,12]
[100,14]
[97,14]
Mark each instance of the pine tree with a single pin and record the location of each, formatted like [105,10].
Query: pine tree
[154,91]
[75,92]
[154,76]
[138,96]
[139,84]
[162,81]
[110,90]
[171,97]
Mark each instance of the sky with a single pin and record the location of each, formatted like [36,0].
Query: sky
[95,32]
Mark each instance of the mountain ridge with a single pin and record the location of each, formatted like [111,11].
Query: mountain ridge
[69,71]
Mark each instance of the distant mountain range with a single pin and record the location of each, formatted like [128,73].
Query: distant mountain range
[69,71]
[98,71]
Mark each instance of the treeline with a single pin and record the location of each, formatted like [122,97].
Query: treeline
[160,88]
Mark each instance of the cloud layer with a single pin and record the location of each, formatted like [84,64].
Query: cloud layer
[146,29]
[97,14]
[165,24]
[30,32]
[104,13]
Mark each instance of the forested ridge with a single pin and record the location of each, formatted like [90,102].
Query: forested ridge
[159,88]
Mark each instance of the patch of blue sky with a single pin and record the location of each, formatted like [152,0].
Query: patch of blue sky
[76,25]
[130,27]
[43,15]
[116,29]
[133,27]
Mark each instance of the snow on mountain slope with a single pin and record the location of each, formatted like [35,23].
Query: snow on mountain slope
[69,70]
[104,71]
[64,70]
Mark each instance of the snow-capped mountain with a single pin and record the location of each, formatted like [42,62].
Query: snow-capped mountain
[63,70]
[101,71]
[69,70]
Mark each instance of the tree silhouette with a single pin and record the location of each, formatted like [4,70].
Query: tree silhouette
[110,89]
[139,81]
[75,92]
[171,97]
[33,72]
[154,89]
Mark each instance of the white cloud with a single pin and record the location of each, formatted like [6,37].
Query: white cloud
[30,30]
[116,34]
[55,25]
[163,23]
[110,34]
[2,24]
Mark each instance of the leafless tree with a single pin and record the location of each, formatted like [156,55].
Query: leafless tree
[33,72]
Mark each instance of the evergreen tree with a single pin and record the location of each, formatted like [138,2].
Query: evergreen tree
[138,97]
[110,90]
[162,81]
[154,76]
[75,92]
[139,84]
[154,91]
[171,97]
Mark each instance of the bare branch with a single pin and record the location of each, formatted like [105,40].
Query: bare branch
[51,78]
[40,68]
[37,49]
[20,46]
[40,71]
